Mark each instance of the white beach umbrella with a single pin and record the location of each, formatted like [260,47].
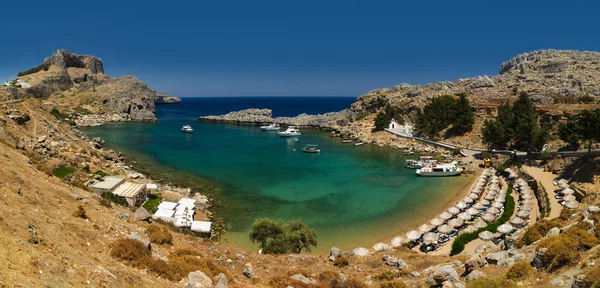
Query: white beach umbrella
[473,196]
[525,207]
[488,217]
[430,237]
[563,181]
[569,198]
[413,235]
[456,222]
[485,202]
[436,221]
[486,235]
[446,215]
[478,206]
[444,228]
[472,211]
[493,210]
[461,205]
[505,229]
[523,214]
[571,204]
[425,228]
[467,200]
[568,191]
[498,205]
[564,185]
[525,196]
[527,202]
[464,216]
[479,223]
[517,221]
[453,210]
[476,191]
[489,196]
[397,241]
[500,199]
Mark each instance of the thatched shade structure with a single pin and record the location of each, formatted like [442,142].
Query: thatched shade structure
[568,191]
[498,205]
[523,214]
[467,200]
[473,196]
[446,215]
[453,210]
[485,202]
[425,228]
[479,223]
[517,221]
[436,221]
[461,205]
[571,204]
[464,216]
[569,198]
[397,241]
[413,235]
[505,229]
[444,228]
[486,235]
[456,222]
[478,206]
[472,211]
[469,229]
[430,237]
[488,217]
[493,210]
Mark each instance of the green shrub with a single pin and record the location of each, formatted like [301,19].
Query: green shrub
[129,250]
[521,269]
[362,115]
[63,171]
[538,230]
[386,275]
[328,275]
[592,278]
[119,200]
[489,282]
[350,283]
[159,235]
[381,121]
[393,284]
[80,212]
[101,173]
[151,205]
[458,245]
[106,203]
[276,237]
[41,67]
[586,99]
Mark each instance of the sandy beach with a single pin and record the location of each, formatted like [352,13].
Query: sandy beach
[546,178]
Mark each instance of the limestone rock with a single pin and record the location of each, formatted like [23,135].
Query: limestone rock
[538,258]
[249,273]
[136,236]
[222,281]
[198,279]
[64,59]
[591,210]
[474,275]
[394,262]
[163,98]
[445,273]
[475,261]
[553,231]
[142,214]
[334,253]
[360,251]
[303,279]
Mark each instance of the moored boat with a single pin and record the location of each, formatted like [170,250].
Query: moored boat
[346,141]
[358,144]
[271,127]
[289,132]
[311,148]
[187,129]
[435,169]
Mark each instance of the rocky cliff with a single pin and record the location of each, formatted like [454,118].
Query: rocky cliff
[163,98]
[75,82]
[332,120]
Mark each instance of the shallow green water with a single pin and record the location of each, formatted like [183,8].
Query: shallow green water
[352,196]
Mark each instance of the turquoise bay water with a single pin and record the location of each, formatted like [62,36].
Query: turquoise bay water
[352,196]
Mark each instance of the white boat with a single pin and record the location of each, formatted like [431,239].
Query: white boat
[272,127]
[290,132]
[414,164]
[311,148]
[346,141]
[187,129]
[358,144]
[435,169]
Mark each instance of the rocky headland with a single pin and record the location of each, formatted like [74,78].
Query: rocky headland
[164,98]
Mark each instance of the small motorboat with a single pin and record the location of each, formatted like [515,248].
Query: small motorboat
[358,144]
[346,140]
[272,127]
[311,148]
[289,132]
[187,129]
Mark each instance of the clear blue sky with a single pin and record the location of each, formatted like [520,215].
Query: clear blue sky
[280,47]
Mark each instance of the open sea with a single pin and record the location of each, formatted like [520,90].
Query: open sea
[352,196]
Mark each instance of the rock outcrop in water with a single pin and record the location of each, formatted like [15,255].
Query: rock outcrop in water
[164,98]
[329,121]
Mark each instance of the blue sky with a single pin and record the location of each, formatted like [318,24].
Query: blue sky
[292,48]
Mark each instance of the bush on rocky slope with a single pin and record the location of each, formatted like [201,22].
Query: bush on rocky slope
[521,269]
[159,235]
[489,282]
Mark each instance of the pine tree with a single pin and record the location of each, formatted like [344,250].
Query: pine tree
[464,117]
[494,134]
[381,121]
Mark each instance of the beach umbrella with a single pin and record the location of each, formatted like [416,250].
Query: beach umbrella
[413,235]
[571,204]
[479,223]
[436,221]
[500,199]
[493,210]
[453,210]
[425,228]
[446,215]
[476,190]
[472,211]
[444,228]
[563,181]
[473,196]
[464,216]
[490,196]
[568,191]
[397,241]
[469,229]
[456,222]
[461,205]
[430,237]
[478,206]
[526,196]
[488,217]
[505,228]
[517,221]
[467,200]
[485,202]
[486,235]
[523,214]
[498,205]
[569,198]
[527,202]
[564,185]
